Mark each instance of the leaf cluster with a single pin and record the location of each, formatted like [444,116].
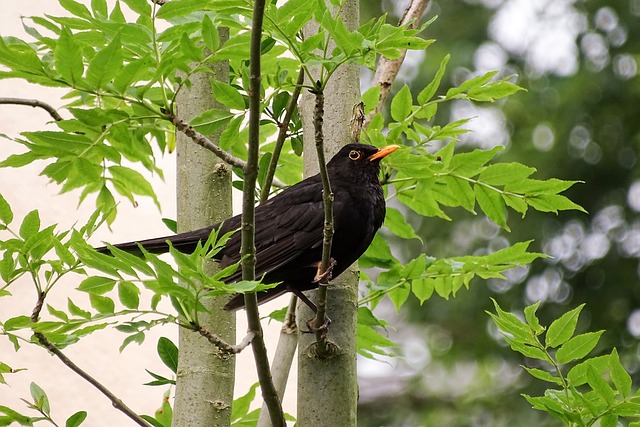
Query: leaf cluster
[588,389]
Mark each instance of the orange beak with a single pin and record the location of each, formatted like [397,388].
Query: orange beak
[383,152]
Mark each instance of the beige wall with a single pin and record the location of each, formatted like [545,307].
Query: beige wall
[122,372]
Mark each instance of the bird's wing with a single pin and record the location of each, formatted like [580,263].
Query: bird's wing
[286,228]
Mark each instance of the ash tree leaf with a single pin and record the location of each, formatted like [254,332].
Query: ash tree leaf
[563,328]
[77,9]
[97,285]
[177,9]
[427,93]
[370,98]
[553,203]
[505,173]
[619,376]
[469,84]
[543,375]
[132,181]
[210,34]
[600,386]
[168,353]
[211,120]
[6,214]
[532,319]
[423,288]
[491,204]
[396,222]
[492,91]
[106,64]
[104,305]
[76,419]
[399,295]
[577,375]
[578,347]
[67,57]
[40,399]
[129,294]
[241,405]
[227,95]
[401,104]
[472,163]
[30,225]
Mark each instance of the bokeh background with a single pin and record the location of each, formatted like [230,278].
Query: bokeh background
[578,120]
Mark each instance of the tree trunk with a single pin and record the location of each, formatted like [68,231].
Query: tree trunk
[328,389]
[204,390]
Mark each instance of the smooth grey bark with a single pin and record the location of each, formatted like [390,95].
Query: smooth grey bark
[205,380]
[327,388]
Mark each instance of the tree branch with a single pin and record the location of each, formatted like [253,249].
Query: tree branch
[225,348]
[184,127]
[387,69]
[247,249]
[115,401]
[33,103]
[320,323]
[282,135]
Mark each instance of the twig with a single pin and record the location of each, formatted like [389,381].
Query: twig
[283,358]
[282,135]
[115,401]
[225,348]
[247,249]
[387,69]
[320,322]
[33,103]
[205,142]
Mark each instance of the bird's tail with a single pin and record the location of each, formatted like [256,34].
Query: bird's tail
[184,242]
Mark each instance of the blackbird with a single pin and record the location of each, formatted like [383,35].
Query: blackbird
[289,226]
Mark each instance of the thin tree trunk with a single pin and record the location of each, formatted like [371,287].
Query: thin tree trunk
[328,389]
[204,390]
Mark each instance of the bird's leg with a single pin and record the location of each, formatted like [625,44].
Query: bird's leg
[303,298]
[328,273]
[312,329]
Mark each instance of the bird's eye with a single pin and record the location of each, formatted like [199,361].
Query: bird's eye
[354,155]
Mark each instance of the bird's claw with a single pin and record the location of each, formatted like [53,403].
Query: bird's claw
[327,275]
[322,329]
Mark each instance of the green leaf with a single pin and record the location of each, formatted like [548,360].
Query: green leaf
[396,222]
[370,98]
[578,347]
[6,214]
[600,386]
[68,58]
[505,173]
[106,64]
[97,285]
[399,295]
[168,353]
[427,93]
[129,294]
[619,376]
[63,252]
[77,311]
[30,225]
[76,419]
[210,34]
[76,8]
[241,405]
[227,95]
[493,91]
[472,163]
[532,319]
[132,181]
[104,305]
[210,121]
[40,399]
[491,204]
[553,203]
[511,324]
[543,375]
[577,375]
[423,288]
[401,104]
[563,328]
[16,323]
[176,9]
[57,313]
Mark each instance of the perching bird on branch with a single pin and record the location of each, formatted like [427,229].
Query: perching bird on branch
[289,226]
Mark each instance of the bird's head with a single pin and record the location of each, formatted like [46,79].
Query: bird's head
[356,160]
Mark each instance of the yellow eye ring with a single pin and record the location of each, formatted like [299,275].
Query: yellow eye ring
[354,155]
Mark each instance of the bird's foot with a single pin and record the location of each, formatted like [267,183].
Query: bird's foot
[327,275]
[323,329]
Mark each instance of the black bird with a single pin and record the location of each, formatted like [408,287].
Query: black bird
[289,226]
